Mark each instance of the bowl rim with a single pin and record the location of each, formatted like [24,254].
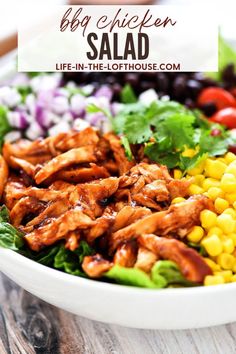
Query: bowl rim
[103,286]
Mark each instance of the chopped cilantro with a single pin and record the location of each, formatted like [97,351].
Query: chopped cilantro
[126,144]
[167,129]
[127,95]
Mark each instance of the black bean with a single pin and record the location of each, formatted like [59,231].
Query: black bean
[162,82]
[132,79]
[179,86]
[209,109]
[228,72]
[146,85]
[194,87]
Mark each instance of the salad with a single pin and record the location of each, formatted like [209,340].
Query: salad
[138,190]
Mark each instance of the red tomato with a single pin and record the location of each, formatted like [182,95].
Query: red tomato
[220,97]
[233,92]
[232,149]
[226,116]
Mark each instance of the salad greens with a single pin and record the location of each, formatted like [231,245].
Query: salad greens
[163,273]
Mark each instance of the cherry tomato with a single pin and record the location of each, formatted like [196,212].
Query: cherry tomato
[226,116]
[233,92]
[218,96]
[232,148]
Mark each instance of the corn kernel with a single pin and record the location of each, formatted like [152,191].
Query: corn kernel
[196,170]
[226,274]
[233,278]
[210,182]
[230,211]
[220,205]
[214,169]
[226,223]
[228,183]
[228,245]
[177,174]
[231,169]
[178,200]
[195,189]
[232,237]
[189,153]
[231,197]
[226,261]
[213,280]
[206,194]
[215,231]
[196,234]
[230,157]
[208,219]
[213,265]
[213,245]
[222,159]
[199,179]
[215,192]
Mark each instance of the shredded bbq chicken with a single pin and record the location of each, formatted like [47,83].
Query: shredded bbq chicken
[81,186]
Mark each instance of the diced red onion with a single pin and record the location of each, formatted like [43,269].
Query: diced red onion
[95,118]
[104,91]
[43,117]
[61,92]
[88,89]
[20,79]
[68,117]
[148,97]
[116,107]
[45,82]
[61,127]
[80,124]
[77,104]
[30,103]
[101,102]
[12,136]
[34,131]
[9,96]
[59,104]
[17,119]
[44,98]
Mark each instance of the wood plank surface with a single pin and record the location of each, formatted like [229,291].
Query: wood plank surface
[29,325]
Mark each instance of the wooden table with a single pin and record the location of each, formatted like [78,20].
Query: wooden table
[29,325]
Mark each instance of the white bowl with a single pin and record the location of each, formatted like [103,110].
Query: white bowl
[127,306]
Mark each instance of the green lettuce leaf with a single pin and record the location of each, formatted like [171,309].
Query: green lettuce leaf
[134,277]
[70,262]
[170,272]
[4,214]
[10,237]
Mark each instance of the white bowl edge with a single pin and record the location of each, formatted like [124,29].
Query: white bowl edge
[179,308]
